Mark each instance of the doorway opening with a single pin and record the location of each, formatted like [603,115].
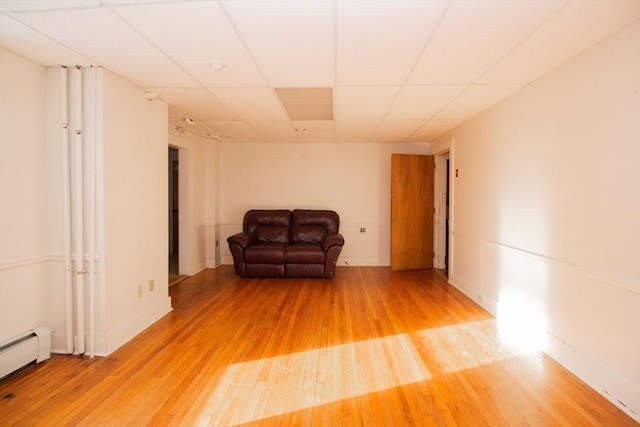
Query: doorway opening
[442,223]
[174,235]
[446,221]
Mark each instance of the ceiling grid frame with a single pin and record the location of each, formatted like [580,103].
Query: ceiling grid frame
[413,67]
[35,29]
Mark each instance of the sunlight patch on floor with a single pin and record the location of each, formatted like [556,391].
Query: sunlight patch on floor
[274,386]
[464,346]
[268,387]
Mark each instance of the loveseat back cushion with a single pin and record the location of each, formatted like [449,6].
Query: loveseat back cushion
[267,225]
[310,226]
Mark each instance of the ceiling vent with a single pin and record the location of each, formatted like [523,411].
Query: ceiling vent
[307,103]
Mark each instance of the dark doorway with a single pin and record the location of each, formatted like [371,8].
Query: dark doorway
[446,226]
[173,215]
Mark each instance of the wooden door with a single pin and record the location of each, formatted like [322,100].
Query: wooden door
[411,211]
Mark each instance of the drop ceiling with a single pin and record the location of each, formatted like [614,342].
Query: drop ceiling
[399,70]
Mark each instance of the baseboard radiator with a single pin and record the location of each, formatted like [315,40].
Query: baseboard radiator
[23,349]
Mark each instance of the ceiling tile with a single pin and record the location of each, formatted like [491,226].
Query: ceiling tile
[235,130]
[378,42]
[396,130]
[433,129]
[199,103]
[252,104]
[30,5]
[474,35]
[103,37]
[134,2]
[363,103]
[24,41]
[201,129]
[193,34]
[574,29]
[355,131]
[422,102]
[175,113]
[291,41]
[276,131]
[315,130]
[474,100]
[398,69]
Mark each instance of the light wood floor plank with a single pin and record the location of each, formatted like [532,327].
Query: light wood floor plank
[369,347]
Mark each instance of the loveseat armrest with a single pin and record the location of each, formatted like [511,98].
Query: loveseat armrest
[333,239]
[241,239]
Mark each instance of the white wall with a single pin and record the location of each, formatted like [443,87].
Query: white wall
[546,221]
[352,179]
[133,221]
[132,214]
[31,268]
[135,210]
[212,200]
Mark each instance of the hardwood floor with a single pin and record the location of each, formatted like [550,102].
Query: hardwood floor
[369,347]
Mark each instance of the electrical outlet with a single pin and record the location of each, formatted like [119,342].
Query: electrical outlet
[152,285]
[363,230]
[140,291]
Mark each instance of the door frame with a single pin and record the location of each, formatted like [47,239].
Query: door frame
[183,211]
[442,152]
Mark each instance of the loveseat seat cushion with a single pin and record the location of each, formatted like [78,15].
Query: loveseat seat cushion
[264,253]
[304,254]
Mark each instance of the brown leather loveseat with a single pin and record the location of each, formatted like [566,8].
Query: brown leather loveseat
[284,243]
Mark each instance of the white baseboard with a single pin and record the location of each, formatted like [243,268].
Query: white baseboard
[105,345]
[362,262]
[58,343]
[618,390]
[488,303]
[127,331]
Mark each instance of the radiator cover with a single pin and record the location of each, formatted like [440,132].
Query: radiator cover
[23,349]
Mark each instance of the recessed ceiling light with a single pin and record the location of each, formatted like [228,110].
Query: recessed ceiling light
[217,65]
